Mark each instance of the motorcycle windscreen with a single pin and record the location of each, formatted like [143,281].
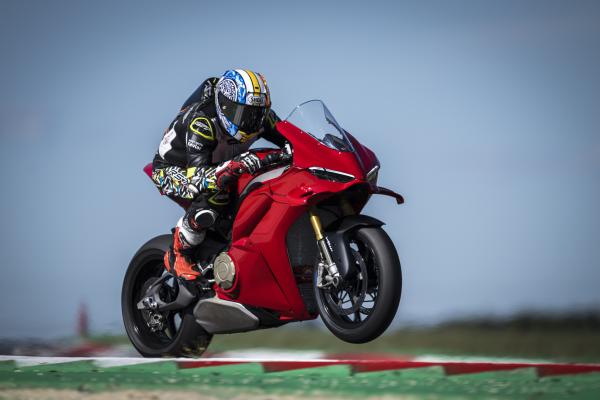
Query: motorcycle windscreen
[314,118]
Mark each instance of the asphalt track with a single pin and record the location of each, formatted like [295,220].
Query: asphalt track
[347,376]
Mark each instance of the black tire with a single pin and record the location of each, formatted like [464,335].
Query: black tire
[189,340]
[389,282]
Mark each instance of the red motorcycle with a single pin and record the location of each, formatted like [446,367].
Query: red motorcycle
[298,247]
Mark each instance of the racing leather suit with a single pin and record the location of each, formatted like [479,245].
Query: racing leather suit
[195,142]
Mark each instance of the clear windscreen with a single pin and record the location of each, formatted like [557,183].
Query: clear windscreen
[314,118]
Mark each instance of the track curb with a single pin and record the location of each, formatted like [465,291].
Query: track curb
[355,365]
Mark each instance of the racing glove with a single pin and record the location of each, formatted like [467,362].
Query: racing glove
[227,173]
[223,176]
[250,162]
[253,163]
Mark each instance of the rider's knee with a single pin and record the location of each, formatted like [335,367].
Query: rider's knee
[192,236]
[201,219]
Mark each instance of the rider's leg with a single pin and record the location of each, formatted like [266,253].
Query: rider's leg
[187,235]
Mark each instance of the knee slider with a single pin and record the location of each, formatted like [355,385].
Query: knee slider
[202,219]
[189,236]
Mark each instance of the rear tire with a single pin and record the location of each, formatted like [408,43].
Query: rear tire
[385,270]
[188,338]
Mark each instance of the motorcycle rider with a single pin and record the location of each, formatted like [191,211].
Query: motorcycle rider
[205,149]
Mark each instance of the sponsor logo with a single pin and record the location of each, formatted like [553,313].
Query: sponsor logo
[202,126]
[194,145]
[256,100]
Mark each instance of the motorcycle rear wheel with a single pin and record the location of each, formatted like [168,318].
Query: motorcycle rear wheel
[361,309]
[182,336]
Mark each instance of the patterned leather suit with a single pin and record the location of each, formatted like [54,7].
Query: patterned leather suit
[193,142]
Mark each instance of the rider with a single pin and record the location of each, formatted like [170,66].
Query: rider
[205,149]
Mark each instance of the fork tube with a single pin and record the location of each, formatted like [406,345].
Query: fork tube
[315,221]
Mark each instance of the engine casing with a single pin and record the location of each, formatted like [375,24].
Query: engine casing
[224,271]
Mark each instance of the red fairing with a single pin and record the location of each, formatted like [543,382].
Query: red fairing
[368,158]
[148,170]
[265,277]
[271,202]
[259,251]
[267,281]
[309,152]
[244,179]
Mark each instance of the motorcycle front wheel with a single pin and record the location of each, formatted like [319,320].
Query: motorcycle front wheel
[158,334]
[360,309]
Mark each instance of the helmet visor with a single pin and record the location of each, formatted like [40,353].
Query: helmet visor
[247,118]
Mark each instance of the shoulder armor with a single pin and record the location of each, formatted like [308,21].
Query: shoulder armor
[202,125]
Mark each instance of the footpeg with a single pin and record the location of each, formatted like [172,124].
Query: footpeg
[148,303]
[204,270]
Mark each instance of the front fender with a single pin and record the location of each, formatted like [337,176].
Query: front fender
[337,235]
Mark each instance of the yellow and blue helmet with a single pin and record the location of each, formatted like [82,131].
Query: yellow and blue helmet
[242,99]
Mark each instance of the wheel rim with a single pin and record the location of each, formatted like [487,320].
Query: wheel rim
[157,339]
[352,303]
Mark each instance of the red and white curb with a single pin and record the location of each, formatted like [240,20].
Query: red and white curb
[355,363]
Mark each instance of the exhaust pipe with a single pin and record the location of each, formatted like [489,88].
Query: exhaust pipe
[221,316]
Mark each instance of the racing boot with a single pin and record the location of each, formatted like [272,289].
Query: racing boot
[178,257]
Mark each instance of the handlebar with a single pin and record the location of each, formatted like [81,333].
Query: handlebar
[271,160]
[277,158]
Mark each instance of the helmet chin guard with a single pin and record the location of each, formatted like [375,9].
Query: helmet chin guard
[242,101]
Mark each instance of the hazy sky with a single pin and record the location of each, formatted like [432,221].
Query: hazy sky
[484,115]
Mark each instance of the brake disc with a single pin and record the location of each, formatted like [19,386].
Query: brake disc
[359,285]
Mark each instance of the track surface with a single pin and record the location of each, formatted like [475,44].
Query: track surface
[342,375]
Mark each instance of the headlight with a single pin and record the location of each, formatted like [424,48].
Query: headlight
[331,175]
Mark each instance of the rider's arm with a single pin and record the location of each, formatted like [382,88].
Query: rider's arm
[171,180]
[200,143]
[270,133]
[168,168]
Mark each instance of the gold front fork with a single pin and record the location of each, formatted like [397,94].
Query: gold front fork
[315,221]
[333,276]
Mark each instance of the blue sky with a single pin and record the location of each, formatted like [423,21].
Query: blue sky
[484,115]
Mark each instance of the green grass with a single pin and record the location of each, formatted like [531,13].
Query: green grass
[560,345]
[570,337]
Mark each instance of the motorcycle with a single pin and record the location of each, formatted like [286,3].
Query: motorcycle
[297,248]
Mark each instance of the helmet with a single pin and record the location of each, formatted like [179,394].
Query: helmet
[242,99]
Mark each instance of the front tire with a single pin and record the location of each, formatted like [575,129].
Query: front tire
[182,336]
[360,310]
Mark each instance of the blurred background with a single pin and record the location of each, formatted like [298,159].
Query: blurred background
[484,115]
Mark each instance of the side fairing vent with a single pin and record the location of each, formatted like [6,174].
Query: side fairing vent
[303,253]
